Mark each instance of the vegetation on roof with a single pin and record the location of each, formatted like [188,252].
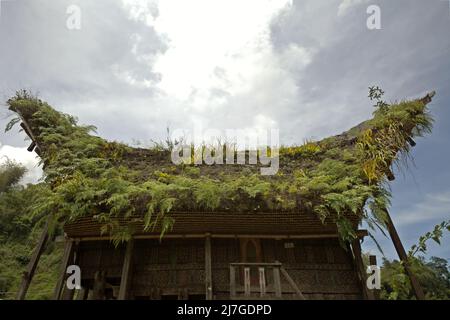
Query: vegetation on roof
[19,232]
[335,178]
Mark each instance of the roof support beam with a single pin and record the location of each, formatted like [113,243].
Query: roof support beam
[31,268]
[126,271]
[26,128]
[67,259]
[418,292]
[373,262]
[360,234]
[208,270]
[357,254]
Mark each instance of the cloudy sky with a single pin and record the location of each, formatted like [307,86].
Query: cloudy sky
[136,67]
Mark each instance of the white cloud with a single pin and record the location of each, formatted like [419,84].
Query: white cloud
[28,159]
[205,35]
[220,62]
[433,207]
[141,10]
[347,4]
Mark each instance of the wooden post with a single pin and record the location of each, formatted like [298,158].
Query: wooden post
[262,281]
[98,291]
[403,257]
[277,281]
[292,283]
[232,282]
[126,274]
[356,246]
[83,294]
[68,294]
[208,270]
[373,262]
[247,281]
[31,268]
[67,257]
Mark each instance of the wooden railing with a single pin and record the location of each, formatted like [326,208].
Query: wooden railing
[277,270]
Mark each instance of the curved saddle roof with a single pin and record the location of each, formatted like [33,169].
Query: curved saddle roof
[110,188]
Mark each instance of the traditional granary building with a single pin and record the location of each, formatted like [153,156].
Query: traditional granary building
[140,227]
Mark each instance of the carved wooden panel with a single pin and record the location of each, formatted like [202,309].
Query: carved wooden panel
[321,268]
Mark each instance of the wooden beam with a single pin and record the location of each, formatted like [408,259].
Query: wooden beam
[66,261]
[292,283]
[428,98]
[208,270]
[31,146]
[26,128]
[31,268]
[390,175]
[67,294]
[126,271]
[360,234]
[247,281]
[82,294]
[418,292]
[98,290]
[277,281]
[357,255]
[257,264]
[411,142]
[373,262]
[262,281]
[232,282]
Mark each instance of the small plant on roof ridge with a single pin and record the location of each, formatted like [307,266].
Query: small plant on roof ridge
[375,93]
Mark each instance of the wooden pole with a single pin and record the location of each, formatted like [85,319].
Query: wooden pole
[373,262]
[126,271]
[292,283]
[208,270]
[31,268]
[68,294]
[232,282]
[82,294]
[360,234]
[277,281]
[67,258]
[262,281]
[98,291]
[247,282]
[418,292]
[356,246]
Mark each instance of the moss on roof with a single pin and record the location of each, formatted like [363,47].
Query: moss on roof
[335,177]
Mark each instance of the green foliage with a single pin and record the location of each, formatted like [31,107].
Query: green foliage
[10,174]
[389,134]
[308,149]
[333,178]
[434,235]
[336,178]
[12,123]
[375,93]
[19,232]
[433,275]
